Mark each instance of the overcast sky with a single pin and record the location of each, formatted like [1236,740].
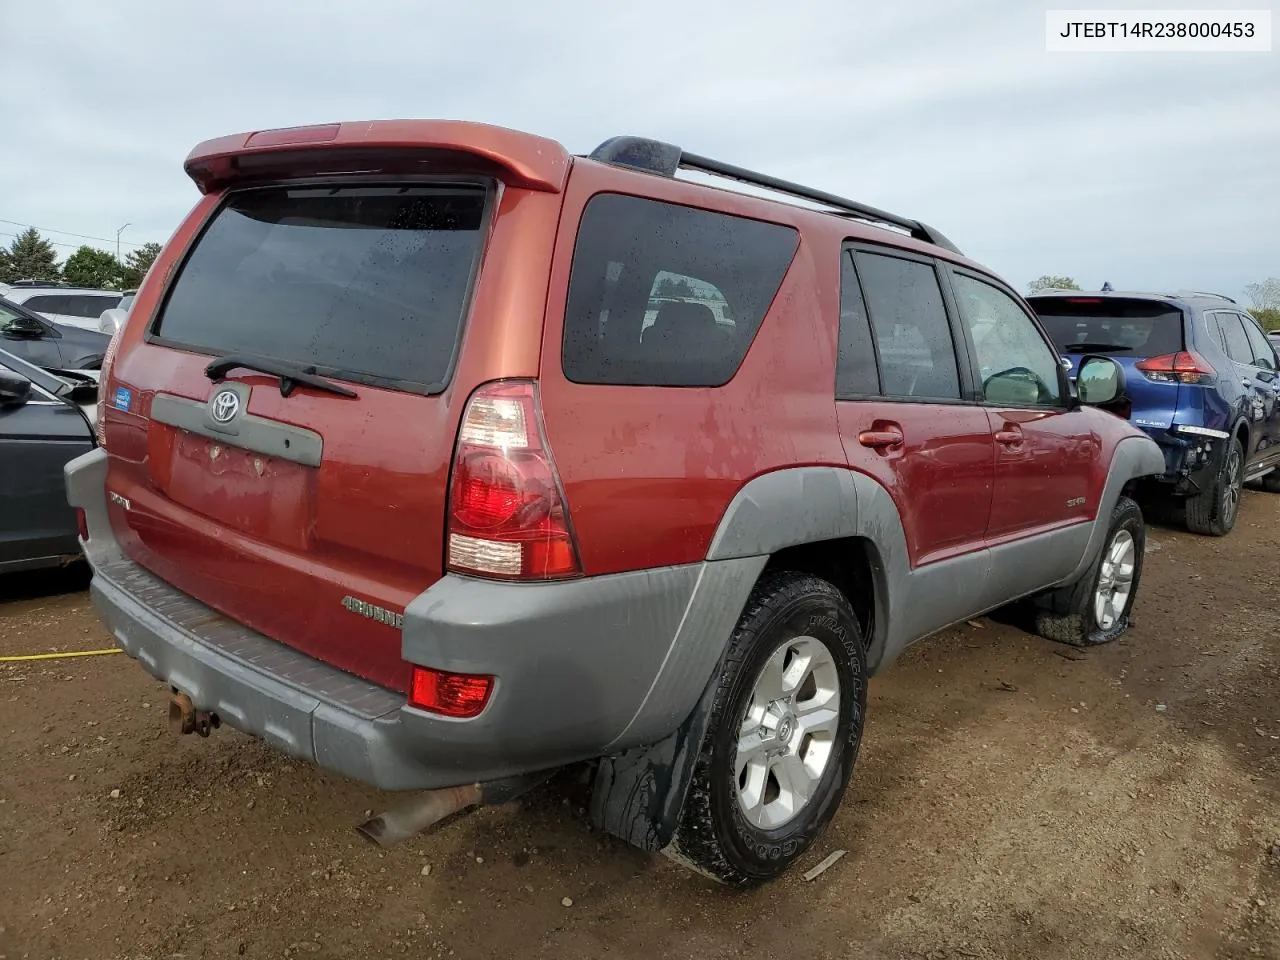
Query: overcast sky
[1147,170]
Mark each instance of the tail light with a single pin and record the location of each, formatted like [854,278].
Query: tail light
[104,386]
[461,695]
[507,513]
[1185,366]
[82,524]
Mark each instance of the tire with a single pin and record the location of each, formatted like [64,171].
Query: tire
[789,616]
[1072,615]
[1214,511]
[1270,482]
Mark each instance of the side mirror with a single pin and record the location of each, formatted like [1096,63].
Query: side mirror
[14,390]
[24,328]
[1100,383]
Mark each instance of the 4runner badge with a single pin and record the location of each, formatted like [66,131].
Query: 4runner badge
[225,406]
[373,612]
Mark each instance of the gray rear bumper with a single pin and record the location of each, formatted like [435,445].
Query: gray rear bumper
[583,668]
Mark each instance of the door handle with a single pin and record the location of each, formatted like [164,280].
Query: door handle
[1009,437]
[886,439]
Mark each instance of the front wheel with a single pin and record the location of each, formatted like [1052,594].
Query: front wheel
[1097,608]
[783,733]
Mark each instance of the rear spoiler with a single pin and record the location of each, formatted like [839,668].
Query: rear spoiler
[403,146]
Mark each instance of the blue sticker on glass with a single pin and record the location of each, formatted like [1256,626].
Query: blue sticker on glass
[124,398]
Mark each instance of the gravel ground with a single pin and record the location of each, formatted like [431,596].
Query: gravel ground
[1014,799]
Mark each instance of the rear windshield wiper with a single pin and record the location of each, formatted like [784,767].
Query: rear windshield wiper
[289,374]
[1088,347]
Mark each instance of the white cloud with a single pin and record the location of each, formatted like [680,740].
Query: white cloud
[1143,169]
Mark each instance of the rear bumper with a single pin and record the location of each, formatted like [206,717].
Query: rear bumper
[583,668]
[1191,460]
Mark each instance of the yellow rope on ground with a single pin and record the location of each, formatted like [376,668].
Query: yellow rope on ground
[59,656]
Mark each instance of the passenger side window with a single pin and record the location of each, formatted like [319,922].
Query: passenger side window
[84,306]
[1234,338]
[856,373]
[1016,366]
[47,304]
[909,321]
[666,295]
[1264,356]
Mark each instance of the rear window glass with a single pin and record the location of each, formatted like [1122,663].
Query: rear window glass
[664,295]
[366,283]
[1136,328]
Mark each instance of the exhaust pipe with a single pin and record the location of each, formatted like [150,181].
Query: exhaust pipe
[429,808]
[388,829]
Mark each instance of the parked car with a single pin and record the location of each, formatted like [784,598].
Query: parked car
[68,306]
[112,320]
[52,346]
[1274,337]
[1203,380]
[451,561]
[45,421]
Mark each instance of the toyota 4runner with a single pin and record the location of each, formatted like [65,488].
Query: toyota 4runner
[443,459]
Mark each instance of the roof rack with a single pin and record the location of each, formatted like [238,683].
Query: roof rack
[38,283]
[654,156]
[1201,293]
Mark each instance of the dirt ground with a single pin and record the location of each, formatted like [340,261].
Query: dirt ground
[1014,799]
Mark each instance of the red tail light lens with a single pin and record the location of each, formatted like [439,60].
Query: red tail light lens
[507,513]
[82,524]
[1185,366]
[461,695]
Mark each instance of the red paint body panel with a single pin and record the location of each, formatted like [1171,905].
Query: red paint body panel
[647,471]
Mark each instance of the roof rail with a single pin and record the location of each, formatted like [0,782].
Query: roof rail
[38,283]
[1201,293]
[654,156]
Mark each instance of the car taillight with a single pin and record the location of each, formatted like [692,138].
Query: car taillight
[1185,366]
[104,386]
[461,695]
[507,513]
[82,524]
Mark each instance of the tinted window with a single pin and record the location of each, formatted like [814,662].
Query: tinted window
[1234,338]
[47,304]
[1016,366]
[88,306]
[664,295]
[362,282]
[1135,328]
[917,355]
[1264,354]
[856,373]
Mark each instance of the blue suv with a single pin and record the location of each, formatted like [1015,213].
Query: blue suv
[1202,377]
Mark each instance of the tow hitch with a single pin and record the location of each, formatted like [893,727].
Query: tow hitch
[184,718]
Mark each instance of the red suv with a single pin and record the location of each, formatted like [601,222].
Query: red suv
[443,459]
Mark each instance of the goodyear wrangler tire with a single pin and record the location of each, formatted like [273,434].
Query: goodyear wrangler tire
[1098,607]
[783,736]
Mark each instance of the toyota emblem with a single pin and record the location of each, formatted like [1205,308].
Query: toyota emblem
[226,404]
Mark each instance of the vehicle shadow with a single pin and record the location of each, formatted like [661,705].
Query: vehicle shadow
[39,584]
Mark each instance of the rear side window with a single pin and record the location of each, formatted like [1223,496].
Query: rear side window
[909,319]
[366,283]
[665,295]
[88,306]
[1134,328]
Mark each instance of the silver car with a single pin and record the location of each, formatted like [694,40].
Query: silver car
[69,306]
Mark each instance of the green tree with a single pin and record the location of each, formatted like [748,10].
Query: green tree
[137,263]
[32,258]
[1267,317]
[88,267]
[6,266]
[1052,283]
[1265,294]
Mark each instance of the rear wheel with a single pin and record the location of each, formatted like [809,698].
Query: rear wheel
[783,734]
[1214,511]
[1271,482]
[1097,607]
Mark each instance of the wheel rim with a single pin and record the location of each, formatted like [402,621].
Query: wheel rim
[788,734]
[1231,495]
[1115,579]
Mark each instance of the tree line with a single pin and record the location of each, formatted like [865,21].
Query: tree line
[32,257]
[1264,295]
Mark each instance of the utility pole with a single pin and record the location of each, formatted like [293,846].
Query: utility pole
[118,232]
